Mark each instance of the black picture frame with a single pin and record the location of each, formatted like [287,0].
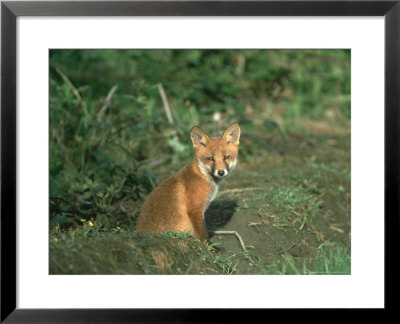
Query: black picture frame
[9,13]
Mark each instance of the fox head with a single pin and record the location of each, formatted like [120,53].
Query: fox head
[217,156]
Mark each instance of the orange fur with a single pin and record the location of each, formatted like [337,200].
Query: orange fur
[178,204]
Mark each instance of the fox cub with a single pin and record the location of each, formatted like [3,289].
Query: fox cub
[178,204]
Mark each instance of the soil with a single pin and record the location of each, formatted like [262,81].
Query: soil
[244,205]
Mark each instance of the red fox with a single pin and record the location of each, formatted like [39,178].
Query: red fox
[178,204]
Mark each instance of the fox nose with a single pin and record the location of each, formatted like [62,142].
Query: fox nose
[221,173]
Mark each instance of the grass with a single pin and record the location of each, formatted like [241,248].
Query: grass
[108,126]
[292,209]
[108,252]
[293,205]
[93,251]
[333,260]
[111,144]
[228,265]
[330,261]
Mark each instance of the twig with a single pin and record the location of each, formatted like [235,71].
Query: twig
[165,103]
[167,109]
[241,63]
[232,233]
[68,82]
[295,213]
[292,245]
[121,185]
[103,109]
[107,102]
[240,190]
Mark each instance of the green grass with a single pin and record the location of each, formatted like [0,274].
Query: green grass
[336,260]
[93,251]
[228,264]
[332,170]
[294,204]
[108,126]
[111,144]
[330,261]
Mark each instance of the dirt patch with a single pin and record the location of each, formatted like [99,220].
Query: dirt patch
[291,207]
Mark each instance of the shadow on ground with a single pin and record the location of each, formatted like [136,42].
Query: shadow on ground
[219,213]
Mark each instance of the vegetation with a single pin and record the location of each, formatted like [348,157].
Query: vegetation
[120,123]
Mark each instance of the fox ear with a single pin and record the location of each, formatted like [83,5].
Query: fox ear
[199,137]
[232,134]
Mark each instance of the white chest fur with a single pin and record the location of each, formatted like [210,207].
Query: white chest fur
[214,185]
[211,195]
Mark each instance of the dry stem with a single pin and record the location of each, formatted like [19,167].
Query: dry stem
[241,190]
[167,108]
[232,233]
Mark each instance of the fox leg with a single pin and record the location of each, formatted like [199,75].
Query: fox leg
[198,226]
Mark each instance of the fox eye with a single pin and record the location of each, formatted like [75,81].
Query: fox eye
[210,158]
[227,157]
